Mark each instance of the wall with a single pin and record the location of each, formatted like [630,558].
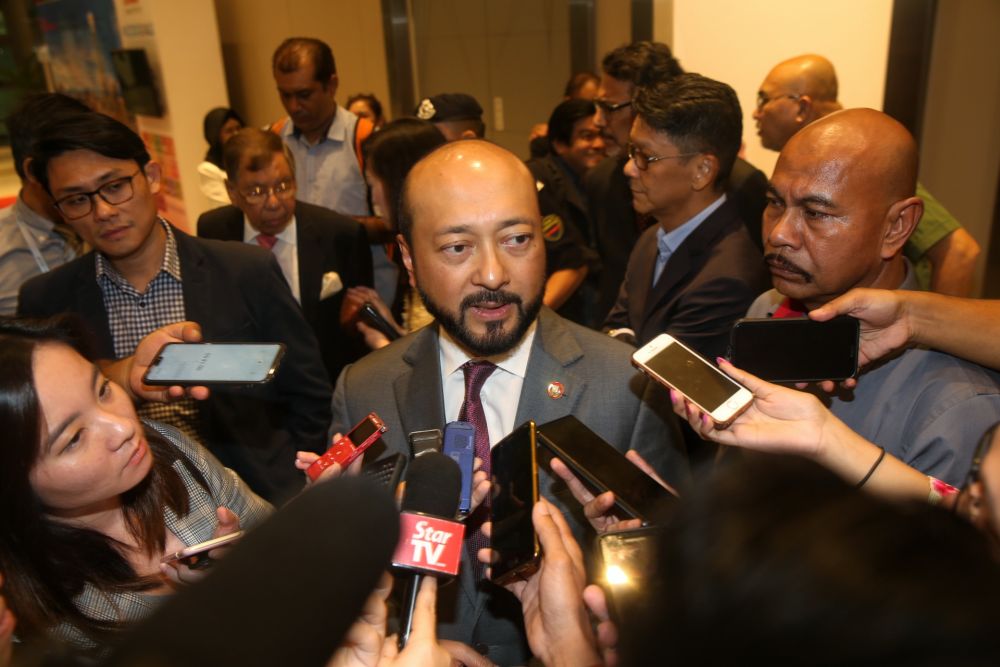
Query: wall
[738,42]
[515,51]
[612,27]
[960,146]
[250,30]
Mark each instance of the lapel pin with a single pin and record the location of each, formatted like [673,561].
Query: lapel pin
[556,389]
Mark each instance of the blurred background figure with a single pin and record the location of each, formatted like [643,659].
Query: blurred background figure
[366,105]
[581,86]
[220,124]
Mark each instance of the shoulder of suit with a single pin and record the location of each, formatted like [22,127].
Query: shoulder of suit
[386,361]
[325,217]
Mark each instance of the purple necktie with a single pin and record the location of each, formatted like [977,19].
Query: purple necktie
[476,373]
[267,241]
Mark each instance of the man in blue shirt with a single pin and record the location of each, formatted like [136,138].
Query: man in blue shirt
[694,272]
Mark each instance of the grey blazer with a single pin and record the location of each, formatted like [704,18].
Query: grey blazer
[402,383]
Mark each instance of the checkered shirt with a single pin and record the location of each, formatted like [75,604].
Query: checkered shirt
[133,314]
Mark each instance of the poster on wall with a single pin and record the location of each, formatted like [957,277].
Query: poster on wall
[169,201]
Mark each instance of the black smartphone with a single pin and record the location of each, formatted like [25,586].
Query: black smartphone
[424,441]
[190,364]
[514,479]
[628,564]
[387,471]
[602,468]
[373,319]
[796,349]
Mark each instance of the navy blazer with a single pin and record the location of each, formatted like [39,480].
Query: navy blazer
[237,293]
[326,241]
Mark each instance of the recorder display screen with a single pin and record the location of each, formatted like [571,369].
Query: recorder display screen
[693,377]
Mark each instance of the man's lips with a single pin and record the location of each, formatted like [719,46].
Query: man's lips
[492,311]
[114,233]
[781,267]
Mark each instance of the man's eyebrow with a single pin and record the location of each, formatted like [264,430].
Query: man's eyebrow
[109,175]
[773,191]
[61,426]
[465,229]
[815,200]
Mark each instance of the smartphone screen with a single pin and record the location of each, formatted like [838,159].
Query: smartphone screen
[366,429]
[796,350]
[514,477]
[602,468]
[460,447]
[693,376]
[214,363]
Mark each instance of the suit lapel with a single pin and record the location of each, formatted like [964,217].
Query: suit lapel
[418,393]
[310,264]
[90,299]
[194,279]
[642,282]
[553,352]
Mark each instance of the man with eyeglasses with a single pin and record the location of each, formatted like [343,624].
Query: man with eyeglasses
[321,253]
[616,225]
[803,89]
[143,273]
[695,272]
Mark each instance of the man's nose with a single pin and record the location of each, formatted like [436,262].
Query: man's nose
[491,272]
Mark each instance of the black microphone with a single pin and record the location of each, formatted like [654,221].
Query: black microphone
[430,539]
[287,592]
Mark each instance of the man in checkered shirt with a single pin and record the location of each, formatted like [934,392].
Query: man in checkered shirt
[143,274]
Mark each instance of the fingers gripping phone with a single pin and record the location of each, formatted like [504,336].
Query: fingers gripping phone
[196,556]
[191,364]
[671,363]
[796,349]
[514,473]
[350,446]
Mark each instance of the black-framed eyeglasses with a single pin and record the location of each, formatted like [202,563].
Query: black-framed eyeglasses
[763,100]
[80,204]
[259,194]
[611,107]
[642,160]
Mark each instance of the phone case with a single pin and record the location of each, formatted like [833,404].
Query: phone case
[528,563]
[345,450]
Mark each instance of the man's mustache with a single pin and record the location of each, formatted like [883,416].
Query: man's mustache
[776,259]
[493,297]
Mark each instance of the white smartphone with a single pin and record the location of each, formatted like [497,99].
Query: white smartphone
[202,547]
[214,363]
[671,363]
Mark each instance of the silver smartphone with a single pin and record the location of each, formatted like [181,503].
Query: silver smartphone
[189,364]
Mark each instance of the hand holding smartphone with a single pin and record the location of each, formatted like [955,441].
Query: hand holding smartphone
[671,363]
[196,556]
[514,472]
[349,447]
[796,349]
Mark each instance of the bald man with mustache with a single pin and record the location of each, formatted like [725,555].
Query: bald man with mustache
[841,206]
[803,89]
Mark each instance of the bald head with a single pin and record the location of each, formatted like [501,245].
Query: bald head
[463,171]
[868,144]
[795,92]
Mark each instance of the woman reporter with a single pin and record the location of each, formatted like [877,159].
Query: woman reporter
[93,497]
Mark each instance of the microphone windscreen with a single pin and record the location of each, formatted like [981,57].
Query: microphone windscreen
[433,485]
[285,594]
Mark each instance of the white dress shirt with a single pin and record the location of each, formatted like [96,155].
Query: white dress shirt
[285,251]
[500,393]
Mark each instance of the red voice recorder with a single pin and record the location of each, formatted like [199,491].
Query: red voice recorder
[429,544]
[350,446]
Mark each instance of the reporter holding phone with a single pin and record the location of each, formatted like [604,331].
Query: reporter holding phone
[93,496]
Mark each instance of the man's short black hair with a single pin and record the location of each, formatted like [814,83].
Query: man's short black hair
[296,52]
[87,131]
[565,116]
[26,123]
[698,114]
[642,63]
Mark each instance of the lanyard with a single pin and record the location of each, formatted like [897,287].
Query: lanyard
[29,238]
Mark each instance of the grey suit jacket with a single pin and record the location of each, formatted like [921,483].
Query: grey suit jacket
[402,383]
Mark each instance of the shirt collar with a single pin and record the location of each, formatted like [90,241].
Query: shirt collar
[668,242]
[171,260]
[338,128]
[289,234]
[514,361]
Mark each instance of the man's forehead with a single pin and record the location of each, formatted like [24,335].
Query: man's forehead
[73,168]
[800,175]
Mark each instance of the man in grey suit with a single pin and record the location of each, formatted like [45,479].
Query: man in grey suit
[472,242]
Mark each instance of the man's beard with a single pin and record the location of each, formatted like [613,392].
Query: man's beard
[496,340]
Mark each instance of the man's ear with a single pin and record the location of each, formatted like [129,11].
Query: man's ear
[706,168]
[558,147]
[468,134]
[152,171]
[406,254]
[332,84]
[805,109]
[901,220]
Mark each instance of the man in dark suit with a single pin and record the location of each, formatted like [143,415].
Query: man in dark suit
[471,239]
[617,227]
[144,274]
[696,271]
[321,253]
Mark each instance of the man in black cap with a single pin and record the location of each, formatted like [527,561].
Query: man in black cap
[457,115]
